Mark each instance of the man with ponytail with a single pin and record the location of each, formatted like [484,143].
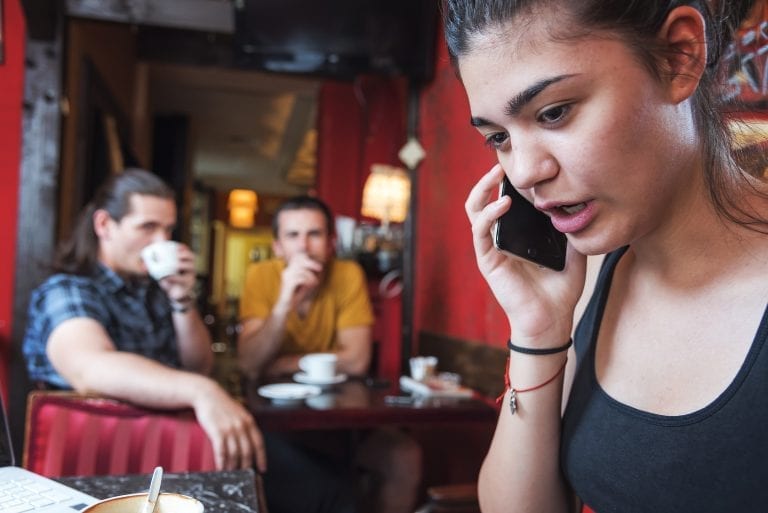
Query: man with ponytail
[99,324]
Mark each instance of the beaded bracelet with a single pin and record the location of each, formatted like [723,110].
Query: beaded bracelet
[529,350]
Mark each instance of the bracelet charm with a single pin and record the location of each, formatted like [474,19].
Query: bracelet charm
[514,391]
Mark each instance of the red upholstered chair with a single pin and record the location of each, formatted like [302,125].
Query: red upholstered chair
[68,434]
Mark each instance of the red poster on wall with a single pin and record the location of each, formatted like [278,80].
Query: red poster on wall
[747,89]
[747,61]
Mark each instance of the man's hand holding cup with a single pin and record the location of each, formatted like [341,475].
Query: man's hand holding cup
[172,264]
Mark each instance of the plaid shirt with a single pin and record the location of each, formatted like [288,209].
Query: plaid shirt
[137,317]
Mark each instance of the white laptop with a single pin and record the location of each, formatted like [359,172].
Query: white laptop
[22,491]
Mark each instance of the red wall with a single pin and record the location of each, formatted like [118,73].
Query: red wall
[359,123]
[364,122]
[11,94]
[451,297]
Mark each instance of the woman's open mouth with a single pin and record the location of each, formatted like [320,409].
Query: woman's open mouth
[573,209]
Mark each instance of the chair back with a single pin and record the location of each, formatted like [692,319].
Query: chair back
[68,434]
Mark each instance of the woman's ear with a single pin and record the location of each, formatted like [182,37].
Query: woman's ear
[684,35]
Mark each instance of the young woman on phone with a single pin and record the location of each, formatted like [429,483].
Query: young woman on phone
[606,115]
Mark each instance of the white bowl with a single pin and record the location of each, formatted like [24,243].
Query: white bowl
[133,503]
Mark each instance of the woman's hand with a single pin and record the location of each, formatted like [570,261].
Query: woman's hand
[538,302]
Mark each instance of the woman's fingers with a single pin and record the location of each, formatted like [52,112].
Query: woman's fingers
[482,210]
[482,191]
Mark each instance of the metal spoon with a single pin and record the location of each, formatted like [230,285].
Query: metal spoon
[154,491]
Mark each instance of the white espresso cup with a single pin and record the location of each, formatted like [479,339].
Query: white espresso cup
[166,503]
[423,367]
[161,258]
[319,366]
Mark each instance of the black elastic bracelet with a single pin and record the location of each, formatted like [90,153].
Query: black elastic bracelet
[549,350]
[183,304]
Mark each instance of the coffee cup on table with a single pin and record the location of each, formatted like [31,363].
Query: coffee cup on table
[319,366]
[161,258]
[423,367]
[134,503]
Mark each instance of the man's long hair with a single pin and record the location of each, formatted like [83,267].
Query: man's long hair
[79,253]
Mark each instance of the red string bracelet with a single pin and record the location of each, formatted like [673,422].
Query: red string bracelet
[516,391]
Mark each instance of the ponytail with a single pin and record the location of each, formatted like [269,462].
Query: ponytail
[79,253]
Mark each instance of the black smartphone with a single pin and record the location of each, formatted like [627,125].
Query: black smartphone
[528,233]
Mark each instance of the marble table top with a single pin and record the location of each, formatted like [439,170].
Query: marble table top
[220,492]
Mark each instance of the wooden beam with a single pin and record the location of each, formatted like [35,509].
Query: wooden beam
[38,200]
[201,15]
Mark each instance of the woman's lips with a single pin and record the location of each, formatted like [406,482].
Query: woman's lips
[572,218]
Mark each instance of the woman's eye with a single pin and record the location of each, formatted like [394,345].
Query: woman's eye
[554,114]
[496,140]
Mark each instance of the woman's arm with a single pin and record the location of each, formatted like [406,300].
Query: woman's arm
[522,468]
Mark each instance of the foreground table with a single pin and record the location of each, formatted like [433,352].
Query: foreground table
[356,405]
[223,492]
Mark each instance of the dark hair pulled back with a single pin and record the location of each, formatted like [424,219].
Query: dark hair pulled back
[79,253]
[638,23]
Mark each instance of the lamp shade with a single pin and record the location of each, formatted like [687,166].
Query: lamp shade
[242,204]
[386,194]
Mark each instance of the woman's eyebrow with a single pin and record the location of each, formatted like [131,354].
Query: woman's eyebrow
[520,100]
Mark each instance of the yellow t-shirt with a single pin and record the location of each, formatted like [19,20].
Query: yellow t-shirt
[341,302]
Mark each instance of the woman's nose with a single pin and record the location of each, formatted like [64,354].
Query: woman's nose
[530,165]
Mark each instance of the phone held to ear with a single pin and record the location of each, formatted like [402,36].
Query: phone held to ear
[528,233]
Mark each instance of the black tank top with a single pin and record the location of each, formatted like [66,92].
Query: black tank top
[619,459]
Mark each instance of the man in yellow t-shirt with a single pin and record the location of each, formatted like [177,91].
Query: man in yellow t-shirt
[305,300]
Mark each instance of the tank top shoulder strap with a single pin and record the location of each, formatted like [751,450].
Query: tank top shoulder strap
[589,324]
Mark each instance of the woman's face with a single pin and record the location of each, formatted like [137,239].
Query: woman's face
[582,130]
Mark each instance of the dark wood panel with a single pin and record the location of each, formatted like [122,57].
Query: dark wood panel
[480,366]
[38,193]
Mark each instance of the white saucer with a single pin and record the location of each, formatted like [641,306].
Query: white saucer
[288,392]
[303,377]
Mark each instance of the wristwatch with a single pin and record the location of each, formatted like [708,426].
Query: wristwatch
[182,304]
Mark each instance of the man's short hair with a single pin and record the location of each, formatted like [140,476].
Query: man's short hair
[303,203]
